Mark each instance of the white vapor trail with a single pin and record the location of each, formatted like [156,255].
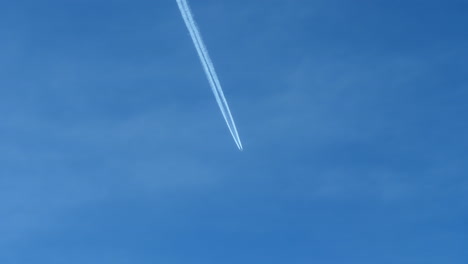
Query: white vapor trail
[209,69]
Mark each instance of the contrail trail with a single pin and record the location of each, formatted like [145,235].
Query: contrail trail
[209,69]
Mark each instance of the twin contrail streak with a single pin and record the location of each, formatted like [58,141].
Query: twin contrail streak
[209,69]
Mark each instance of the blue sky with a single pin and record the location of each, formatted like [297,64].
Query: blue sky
[352,115]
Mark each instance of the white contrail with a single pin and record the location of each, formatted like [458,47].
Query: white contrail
[209,69]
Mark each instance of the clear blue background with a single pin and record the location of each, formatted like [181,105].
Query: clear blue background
[353,115]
